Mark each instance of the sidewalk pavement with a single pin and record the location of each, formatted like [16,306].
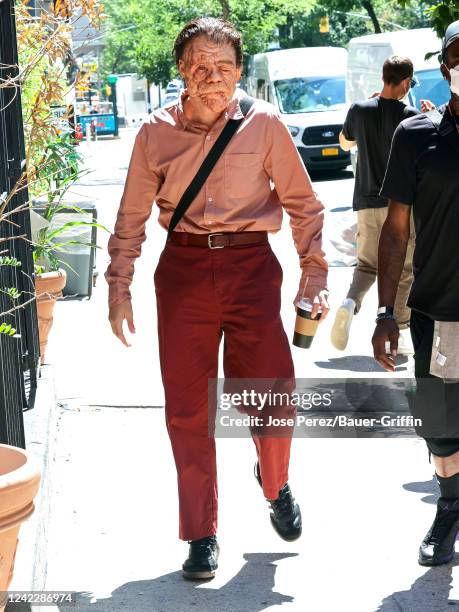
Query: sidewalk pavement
[112,535]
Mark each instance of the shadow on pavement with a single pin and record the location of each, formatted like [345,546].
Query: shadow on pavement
[358,363]
[251,590]
[429,593]
[426,486]
[341,209]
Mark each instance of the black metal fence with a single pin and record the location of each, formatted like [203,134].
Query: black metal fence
[19,356]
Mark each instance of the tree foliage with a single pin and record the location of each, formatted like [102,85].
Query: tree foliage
[141,33]
[350,18]
[146,47]
[440,14]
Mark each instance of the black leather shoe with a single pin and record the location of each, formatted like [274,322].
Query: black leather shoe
[202,559]
[438,545]
[286,514]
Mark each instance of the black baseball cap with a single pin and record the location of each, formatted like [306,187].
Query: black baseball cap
[451,34]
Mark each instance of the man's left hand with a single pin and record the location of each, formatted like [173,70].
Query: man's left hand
[319,299]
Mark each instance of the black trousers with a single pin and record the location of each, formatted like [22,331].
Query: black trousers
[437,403]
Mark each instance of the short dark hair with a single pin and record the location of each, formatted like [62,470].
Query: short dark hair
[216,30]
[396,68]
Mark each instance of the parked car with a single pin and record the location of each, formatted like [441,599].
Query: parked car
[307,86]
[174,86]
[173,91]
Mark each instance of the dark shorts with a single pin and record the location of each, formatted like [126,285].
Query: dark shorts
[437,397]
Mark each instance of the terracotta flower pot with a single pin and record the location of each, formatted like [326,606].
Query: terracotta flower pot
[19,482]
[48,287]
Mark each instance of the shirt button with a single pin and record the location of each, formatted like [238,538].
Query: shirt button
[208,137]
[210,199]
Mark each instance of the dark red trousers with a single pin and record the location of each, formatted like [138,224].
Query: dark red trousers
[202,294]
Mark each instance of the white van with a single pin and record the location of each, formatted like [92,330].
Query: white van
[367,55]
[307,85]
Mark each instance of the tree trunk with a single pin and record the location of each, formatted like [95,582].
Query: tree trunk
[371,11]
[117,59]
[226,9]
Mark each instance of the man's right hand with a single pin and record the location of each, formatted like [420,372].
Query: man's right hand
[116,316]
[386,331]
[426,106]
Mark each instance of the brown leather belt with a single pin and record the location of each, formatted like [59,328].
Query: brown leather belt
[218,240]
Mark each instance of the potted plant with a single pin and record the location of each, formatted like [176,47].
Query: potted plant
[61,169]
[19,481]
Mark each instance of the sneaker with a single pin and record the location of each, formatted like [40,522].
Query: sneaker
[342,324]
[437,546]
[286,514]
[202,559]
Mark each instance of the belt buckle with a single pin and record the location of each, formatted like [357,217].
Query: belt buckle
[209,241]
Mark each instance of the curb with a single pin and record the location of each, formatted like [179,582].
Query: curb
[40,425]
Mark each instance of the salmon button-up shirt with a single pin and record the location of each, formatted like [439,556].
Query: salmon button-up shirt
[259,174]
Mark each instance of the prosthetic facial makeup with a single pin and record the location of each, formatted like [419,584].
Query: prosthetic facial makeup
[210,73]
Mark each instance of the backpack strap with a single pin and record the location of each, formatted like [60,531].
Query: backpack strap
[208,164]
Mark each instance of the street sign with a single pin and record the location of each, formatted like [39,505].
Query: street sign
[104,123]
[90,67]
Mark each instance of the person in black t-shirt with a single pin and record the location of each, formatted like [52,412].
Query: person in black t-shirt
[423,175]
[371,124]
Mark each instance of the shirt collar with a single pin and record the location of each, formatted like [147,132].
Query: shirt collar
[232,111]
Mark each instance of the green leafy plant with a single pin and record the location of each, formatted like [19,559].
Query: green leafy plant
[52,165]
[7,329]
[5,260]
[47,245]
[61,168]
[12,293]
[61,163]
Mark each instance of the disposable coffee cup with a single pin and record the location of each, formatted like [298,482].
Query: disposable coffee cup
[305,327]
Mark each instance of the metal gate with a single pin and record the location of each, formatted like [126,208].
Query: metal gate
[19,357]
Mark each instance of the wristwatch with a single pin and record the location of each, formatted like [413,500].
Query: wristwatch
[385,312]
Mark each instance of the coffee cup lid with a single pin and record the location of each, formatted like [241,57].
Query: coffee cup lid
[306,304]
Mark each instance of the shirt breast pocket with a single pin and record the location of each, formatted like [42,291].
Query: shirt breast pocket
[244,174]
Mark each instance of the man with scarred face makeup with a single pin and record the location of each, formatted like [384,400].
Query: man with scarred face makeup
[217,275]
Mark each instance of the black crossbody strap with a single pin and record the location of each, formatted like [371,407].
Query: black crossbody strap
[208,164]
[445,128]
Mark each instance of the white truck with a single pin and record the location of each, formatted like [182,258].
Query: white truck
[307,86]
[367,55]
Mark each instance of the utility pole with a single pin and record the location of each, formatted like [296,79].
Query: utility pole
[111,80]
[148,97]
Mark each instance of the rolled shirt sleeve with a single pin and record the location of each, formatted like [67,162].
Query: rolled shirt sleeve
[125,243]
[400,179]
[306,212]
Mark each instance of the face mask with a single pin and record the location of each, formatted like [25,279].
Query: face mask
[454,85]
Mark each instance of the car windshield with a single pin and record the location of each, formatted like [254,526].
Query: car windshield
[432,86]
[310,94]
